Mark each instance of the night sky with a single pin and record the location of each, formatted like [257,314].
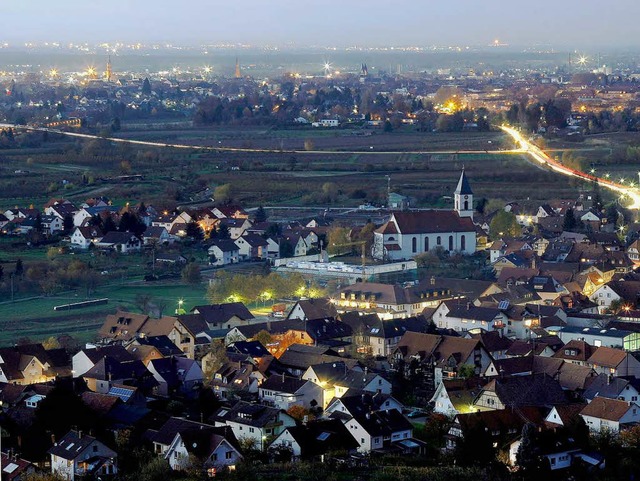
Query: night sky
[572,23]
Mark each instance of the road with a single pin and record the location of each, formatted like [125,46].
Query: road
[539,156]
[247,150]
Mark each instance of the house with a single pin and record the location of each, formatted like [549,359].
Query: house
[259,424]
[612,415]
[156,235]
[462,315]
[336,379]
[122,242]
[306,309]
[163,437]
[516,391]
[389,300]
[78,455]
[205,445]
[283,392]
[576,352]
[108,372]
[296,245]
[616,362]
[298,357]
[85,237]
[426,359]
[30,364]
[252,246]
[608,386]
[236,226]
[236,376]
[51,224]
[226,315]
[176,375]
[379,430]
[626,292]
[456,396]
[85,359]
[314,439]
[354,403]
[223,252]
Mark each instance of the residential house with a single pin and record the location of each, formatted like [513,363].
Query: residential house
[313,439]
[610,415]
[456,396]
[85,359]
[156,236]
[389,301]
[260,424]
[462,315]
[15,468]
[77,456]
[235,377]
[283,392]
[223,252]
[307,309]
[625,292]
[85,237]
[616,362]
[236,226]
[252,246]
[122,242]
[30,364]
[606,385]
[224,316]
[176,375]
[204,445]
[576,352]
[379,430]
[516,391]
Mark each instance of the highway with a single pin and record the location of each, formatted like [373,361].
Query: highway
[248,150]
[539,156]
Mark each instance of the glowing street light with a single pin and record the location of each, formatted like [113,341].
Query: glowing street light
[53,73]
[207,69]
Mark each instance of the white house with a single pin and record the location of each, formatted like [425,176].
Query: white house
[379,429]
[461,315]
[283,392]
[77,455]
[223,252]
[254,422]
[211,449]
[603,414]
[616,291]
[85,237]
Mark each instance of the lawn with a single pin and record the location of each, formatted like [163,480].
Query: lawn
[36,319]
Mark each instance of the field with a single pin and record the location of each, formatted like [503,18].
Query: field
[357,165]
[36,319]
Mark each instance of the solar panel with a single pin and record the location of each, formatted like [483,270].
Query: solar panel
[502,305]
[122,393]
[323,436]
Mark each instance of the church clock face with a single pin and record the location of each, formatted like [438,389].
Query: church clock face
[466,197]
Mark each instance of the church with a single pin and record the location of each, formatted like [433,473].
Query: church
[407,234]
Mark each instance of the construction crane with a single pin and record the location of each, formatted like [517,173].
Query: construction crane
[364,255]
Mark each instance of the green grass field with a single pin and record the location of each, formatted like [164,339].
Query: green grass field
[36,319]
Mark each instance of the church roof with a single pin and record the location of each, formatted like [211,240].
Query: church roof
[463,187]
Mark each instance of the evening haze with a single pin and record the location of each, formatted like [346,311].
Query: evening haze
[574,23]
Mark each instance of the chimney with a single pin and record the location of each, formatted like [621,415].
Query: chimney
[609,379]
[79,434]
[468,306]
[432,281]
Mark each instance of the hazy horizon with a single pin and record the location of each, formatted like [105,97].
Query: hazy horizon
[373,23]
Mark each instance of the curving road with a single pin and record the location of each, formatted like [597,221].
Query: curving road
[237,149]
[542,158]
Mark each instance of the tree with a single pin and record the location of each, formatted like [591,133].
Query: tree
[330,191]
[194,231]
[299,413]
[191,274]
[223,194]
[569,222]
[528,455]
[337,237]
[261,215]
[223,231]
[216,358]
[146,87]
[19,271]
[143,301]
[67,224]
[263,337]
[504,224]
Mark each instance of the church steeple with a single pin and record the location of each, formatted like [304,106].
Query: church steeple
[109,72]
[463,196]
[238,74]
